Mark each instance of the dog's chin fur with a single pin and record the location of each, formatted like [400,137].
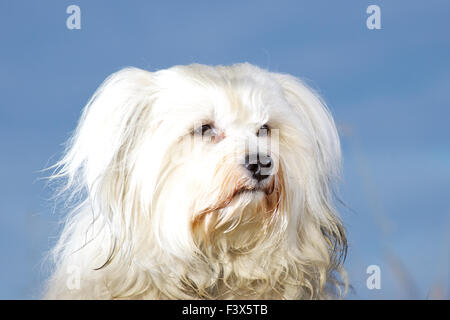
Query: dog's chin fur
[159,218]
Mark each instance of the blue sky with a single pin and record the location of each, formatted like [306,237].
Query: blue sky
[388,91]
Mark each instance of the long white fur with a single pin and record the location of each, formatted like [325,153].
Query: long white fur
[133,233]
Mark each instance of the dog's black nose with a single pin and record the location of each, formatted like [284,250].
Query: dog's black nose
[258,166]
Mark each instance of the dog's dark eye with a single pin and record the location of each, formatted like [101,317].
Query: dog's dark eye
[205,130]
[264,130]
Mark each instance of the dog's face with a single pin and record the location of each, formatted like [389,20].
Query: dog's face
[221,151]
[197,158]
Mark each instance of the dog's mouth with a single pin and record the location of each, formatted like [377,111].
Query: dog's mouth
[266,188]
[264,195]
[263,199]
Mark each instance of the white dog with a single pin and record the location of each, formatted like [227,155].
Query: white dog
[201,182]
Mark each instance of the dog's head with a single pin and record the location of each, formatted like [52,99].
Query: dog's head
[212,160]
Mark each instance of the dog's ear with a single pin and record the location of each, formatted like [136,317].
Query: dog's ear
[99,158]
[315,115]
[107,122]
